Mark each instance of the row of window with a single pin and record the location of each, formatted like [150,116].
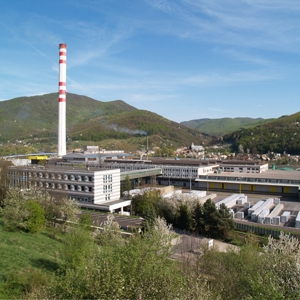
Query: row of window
[188,170]
[180,175]
[60,176]
[263,180]
[53,185]
[83,199]
[241,171]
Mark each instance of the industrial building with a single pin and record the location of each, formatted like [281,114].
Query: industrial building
[98,187]
[248,178]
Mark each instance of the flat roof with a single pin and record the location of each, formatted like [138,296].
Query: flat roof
[107,205]
[189,162]
[270,174]
[57,169]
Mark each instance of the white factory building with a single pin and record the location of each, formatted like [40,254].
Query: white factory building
[101,187]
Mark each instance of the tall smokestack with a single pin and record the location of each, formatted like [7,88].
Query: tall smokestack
[62,100]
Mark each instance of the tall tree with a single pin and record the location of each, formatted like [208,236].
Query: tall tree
[212,222]
[225,224]
[197,216]
[184,217]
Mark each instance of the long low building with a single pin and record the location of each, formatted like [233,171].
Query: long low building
[270,182]
[250,178]
[196,175]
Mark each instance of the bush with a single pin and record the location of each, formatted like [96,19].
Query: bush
[36,217]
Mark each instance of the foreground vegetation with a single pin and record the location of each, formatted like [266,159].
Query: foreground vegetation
[27,261]
[73,262]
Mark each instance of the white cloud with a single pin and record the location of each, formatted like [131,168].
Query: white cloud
[258,24]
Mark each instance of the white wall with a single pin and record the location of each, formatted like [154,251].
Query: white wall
[106,185]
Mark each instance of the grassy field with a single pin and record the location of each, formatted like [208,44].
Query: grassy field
[27,260]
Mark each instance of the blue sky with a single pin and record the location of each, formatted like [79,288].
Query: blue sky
[182,59]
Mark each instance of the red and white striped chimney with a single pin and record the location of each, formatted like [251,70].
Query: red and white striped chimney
[62,100]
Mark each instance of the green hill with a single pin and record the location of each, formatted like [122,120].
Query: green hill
[219,127]
[282,134]
[25,117]
[34,121]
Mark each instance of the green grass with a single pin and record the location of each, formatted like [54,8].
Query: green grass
[27,260]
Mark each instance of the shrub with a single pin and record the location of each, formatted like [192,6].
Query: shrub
[36,217]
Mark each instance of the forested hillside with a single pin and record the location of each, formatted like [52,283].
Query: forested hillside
[219,127]
[25,117]
[280,135]
[33,120]
[140,123]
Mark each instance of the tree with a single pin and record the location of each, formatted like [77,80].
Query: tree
[145,203]
[282,261]
[36,218]
[127,187]
[56,207]
[149,216]
[197,216]
[184,217]
[225,224]
[22,212]
[14,213]
[167,208]
[110,233]
[158,152]
[212,222]
[4,182]
[209,218]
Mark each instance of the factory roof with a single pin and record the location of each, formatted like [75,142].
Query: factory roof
[190,162]
[57,169]
[270,174]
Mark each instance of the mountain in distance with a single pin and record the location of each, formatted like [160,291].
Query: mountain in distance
[220,127]
[34,120]
[279,136]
